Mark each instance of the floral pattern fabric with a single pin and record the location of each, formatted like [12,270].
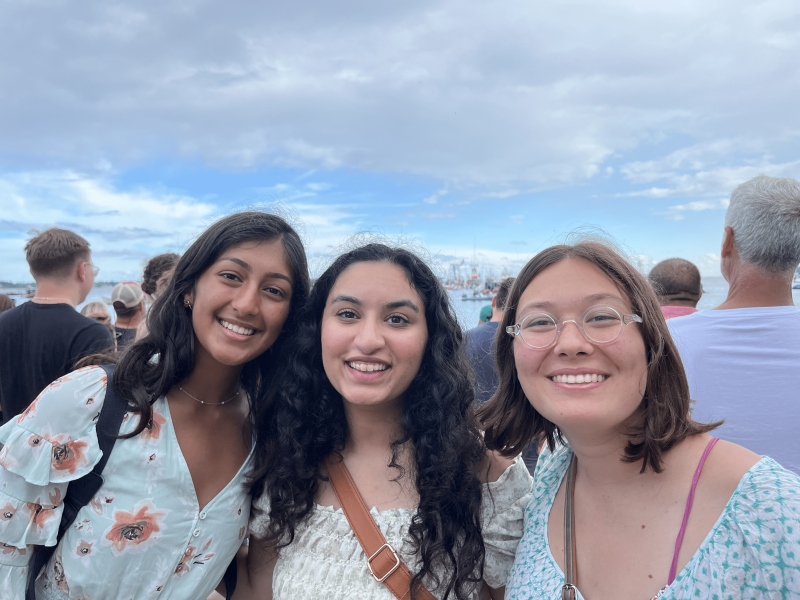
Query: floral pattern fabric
[753,550]
[325,560]
[142,536]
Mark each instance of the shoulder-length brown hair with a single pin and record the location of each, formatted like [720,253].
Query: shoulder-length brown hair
[664,415]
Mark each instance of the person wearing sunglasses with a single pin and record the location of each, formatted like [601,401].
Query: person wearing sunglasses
[633,499]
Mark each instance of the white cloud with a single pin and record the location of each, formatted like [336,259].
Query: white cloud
[677,211]
[434,198]
[705,170]
[489,99]
[708,264]
[703,205]
[319,187]
[123,227]
[323,227]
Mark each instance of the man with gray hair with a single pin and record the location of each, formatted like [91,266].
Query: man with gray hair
[742,359]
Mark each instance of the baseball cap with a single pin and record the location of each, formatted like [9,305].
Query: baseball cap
[129,293]
[486,313]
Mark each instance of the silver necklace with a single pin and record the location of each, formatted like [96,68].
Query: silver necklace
[239,389]
[66,300]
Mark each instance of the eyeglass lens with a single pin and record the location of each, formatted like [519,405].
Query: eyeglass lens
[600,324]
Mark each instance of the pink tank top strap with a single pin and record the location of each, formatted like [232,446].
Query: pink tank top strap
[689,501]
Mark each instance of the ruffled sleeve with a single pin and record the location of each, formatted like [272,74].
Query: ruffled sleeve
[50,444]
[502,516]
[259,516]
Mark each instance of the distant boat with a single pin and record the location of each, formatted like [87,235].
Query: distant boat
[477,298]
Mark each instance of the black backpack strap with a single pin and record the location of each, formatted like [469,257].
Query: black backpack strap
[81,491]
[230,579]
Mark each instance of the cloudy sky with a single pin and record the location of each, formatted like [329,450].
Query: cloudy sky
[473,127]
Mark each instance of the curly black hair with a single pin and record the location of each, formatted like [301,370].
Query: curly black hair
[140,379]
[304,422]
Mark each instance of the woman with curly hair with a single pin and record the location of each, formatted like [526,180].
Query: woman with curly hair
[157,274]
[171,509]
[377,377]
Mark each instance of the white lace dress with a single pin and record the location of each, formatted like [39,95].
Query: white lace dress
[325,561]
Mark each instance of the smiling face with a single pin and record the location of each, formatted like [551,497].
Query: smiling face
[240,303]
[374,333]
[613,373]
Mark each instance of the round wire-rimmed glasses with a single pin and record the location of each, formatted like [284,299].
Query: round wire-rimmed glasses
[599,324]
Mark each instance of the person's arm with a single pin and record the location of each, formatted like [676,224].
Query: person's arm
[33,478]
[507,490]
[256,565]
[496,593]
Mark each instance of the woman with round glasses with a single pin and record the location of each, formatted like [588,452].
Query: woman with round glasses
[632,498]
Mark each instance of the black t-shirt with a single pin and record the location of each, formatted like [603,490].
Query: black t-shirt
[38,344]
[124,336]
[480,350]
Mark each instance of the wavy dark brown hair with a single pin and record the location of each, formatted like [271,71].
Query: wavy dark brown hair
[305,422]
[664,415]
[155,268]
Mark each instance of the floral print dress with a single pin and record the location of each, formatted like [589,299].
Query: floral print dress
[142,536]
[752,552]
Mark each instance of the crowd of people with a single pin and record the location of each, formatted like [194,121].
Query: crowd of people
[253,436]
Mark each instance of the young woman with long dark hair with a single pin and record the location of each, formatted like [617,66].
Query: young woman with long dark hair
[377,377]
[172,510]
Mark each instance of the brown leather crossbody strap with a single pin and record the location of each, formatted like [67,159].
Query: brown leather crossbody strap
[382,560]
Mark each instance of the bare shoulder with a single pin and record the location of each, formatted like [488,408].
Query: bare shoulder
[492,466]
[728,463]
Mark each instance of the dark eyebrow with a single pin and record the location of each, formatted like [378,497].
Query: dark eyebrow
[248,268]
[388,305]
[350,299]
[277,276]
[239,262]
[401,304]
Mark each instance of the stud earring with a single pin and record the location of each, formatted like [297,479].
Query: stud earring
[187,304]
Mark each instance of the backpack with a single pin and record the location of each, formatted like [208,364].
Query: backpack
[81,491]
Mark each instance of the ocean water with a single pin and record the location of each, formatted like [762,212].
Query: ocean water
[715,290]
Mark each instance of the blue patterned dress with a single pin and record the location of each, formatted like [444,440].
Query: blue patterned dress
[753,550]
[142,536]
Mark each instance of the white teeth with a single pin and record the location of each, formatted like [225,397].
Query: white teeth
[586,378]
[367,367]
[236,328]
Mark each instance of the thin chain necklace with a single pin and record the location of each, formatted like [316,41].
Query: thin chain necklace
[67,300]
[239,389]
